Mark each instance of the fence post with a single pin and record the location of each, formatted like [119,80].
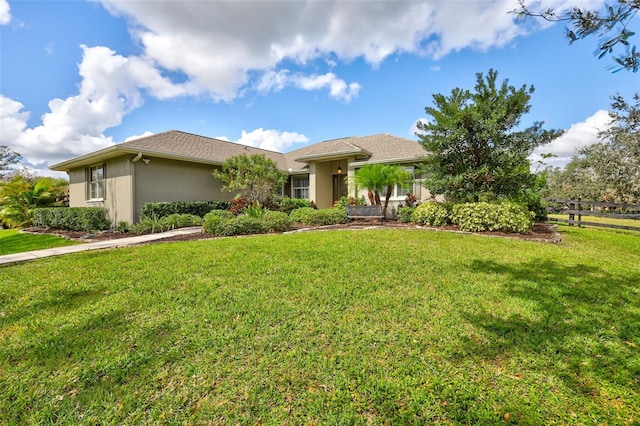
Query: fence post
[572,206]
[579,215]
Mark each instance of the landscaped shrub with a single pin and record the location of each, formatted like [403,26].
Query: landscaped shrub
[153,224]
[122,227]
[276,221]
[72,218]
[255,210]
[312,217]
[198,208]
[345,201]
[214,219]
[175,221]
[238,204]
[287,204]
[431,214]
[506,217]
[241,225]
[405,213]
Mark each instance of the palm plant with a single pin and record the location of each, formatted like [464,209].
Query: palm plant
[377,178]
[20,196]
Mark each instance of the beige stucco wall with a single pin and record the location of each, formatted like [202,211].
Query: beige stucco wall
[118,196]
[321,181]
[160,180]
[323,185]
[170,180]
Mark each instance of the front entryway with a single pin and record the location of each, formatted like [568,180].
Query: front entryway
[339,186]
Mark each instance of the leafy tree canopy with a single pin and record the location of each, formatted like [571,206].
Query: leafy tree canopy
[381,179]
[20,196]
[477,153]
[8,158]
[608,170]
[254,178]
[612,25]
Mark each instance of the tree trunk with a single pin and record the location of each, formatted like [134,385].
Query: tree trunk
[386,200]
[372,199]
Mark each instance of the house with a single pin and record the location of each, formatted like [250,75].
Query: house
[176,166]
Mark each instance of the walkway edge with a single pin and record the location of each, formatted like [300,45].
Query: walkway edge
[96,245]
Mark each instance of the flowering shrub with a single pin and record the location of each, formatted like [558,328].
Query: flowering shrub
[432,214]
[506,217]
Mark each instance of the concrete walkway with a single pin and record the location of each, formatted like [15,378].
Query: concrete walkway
[97,245]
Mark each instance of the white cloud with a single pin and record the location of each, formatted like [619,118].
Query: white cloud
[273,81]
[227,47]
[111,87]
[273,140]
[338,88]
[224,48]
[414,127]
[144,135]
[5,13]
[579,135]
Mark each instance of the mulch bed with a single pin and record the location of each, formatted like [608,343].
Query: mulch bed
[543,232]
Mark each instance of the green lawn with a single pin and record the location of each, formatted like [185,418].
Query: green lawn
[381,326]
[12,241]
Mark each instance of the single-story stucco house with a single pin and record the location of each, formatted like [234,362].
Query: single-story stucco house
[177,166]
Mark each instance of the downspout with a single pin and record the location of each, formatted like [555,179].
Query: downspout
[132,173]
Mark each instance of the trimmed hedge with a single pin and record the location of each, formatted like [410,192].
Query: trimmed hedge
[276,221]
[221,224]
[431,214]
[84,219]
[313,217]
[166,208]
[506,217]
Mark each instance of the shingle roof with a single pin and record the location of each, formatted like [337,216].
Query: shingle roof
[189,147]
[372,149]
[175,142]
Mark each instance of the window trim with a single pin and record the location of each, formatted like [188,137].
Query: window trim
[101,183]
[396,188]
[304,188]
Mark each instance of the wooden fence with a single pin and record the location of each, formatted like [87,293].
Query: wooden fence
[581,208]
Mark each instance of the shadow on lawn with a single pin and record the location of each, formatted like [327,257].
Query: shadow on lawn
[586,323]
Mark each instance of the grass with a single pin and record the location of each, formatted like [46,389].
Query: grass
[12,241]
[595,219]
[343,327]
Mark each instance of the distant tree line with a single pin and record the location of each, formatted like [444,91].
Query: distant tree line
[608,170]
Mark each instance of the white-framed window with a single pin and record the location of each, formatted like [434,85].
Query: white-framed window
[399,193]
[300,187]
[95,182]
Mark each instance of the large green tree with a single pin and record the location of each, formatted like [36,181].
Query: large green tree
[610,169]
[20,196]
[612,24]
[252,177]
[381,179]
[8,158]
[477,151]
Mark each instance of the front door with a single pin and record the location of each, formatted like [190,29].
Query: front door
[339,187]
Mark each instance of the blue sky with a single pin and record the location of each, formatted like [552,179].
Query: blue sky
[77,76]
